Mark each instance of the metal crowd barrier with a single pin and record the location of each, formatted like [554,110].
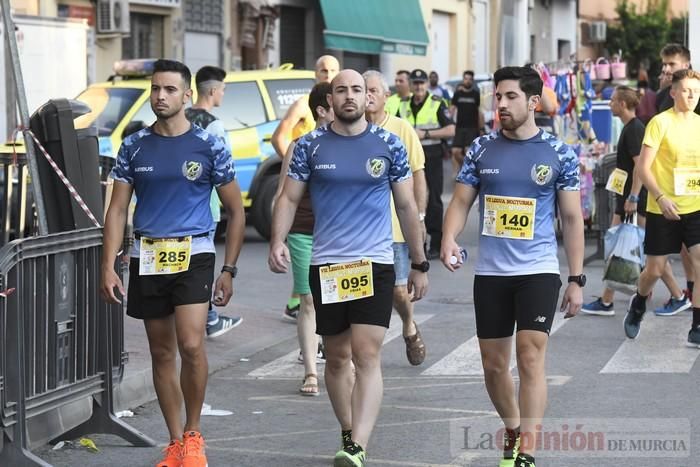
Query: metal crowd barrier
[61,346]
[604,204]
[17,216]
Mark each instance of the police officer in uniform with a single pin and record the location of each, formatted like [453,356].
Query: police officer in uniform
[431,119]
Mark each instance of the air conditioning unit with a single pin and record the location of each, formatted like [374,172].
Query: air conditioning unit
[112,16]
[598,31]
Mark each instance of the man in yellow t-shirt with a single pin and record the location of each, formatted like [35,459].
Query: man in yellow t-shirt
[670,169]
[298,120]
[378,91]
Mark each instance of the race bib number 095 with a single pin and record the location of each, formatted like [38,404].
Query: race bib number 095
[164,255]
[686,181]
[344,282]
[509,217]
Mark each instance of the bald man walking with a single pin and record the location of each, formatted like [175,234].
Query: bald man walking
[352,167]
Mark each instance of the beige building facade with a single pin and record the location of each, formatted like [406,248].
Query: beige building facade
[594,15]
[449,24]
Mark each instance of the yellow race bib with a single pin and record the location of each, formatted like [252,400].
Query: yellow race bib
[345,282]
[616,181]
[686,181]
[164,255]
[509,217]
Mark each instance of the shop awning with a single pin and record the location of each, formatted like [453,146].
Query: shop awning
[375,26]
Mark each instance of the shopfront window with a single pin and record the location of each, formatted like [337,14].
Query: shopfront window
[146,37]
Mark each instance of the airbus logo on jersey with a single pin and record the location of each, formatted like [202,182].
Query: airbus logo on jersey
[490,171]
[143,169]
[324,167]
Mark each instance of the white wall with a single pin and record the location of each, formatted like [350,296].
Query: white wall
[563,25]
[515,33]
[59,71]
[480,42]
[694,31]
[439,34]
[549,25]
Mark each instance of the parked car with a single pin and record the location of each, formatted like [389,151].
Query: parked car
[253,104]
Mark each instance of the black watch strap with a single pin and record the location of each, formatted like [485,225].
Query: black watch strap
[580,279]
[233,270]
[422,267]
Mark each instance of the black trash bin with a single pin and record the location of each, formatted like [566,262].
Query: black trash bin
[76,152]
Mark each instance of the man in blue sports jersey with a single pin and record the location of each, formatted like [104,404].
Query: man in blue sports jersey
[172,167]
[520,175]
[351,167]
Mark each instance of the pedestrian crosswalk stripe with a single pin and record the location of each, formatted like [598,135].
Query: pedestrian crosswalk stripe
[660,348]
[288,365]
[465,360]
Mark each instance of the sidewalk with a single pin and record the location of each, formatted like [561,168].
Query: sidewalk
[136,387]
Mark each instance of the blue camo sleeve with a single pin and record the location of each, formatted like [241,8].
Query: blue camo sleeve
[400,169]
[569,178]
[223,171]
[299,168]
[122,170]
[468,175]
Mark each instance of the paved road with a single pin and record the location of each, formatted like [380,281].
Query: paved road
[612,402]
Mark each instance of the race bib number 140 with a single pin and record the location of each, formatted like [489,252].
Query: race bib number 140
[344,282]
[509,217]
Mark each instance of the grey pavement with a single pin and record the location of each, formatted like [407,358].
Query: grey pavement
[438,414]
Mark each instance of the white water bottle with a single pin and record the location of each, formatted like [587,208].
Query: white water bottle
[463,255]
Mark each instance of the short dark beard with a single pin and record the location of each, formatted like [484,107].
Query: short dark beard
[165,115]
[351,118]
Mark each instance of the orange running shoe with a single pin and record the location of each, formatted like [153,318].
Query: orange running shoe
[173,455]
[193,450]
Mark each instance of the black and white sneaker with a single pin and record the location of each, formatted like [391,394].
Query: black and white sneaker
[633,318]
[290,314]
[223,325]
[320,355]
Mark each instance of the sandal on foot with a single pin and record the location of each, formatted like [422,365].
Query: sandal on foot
[415,347]
[307,388]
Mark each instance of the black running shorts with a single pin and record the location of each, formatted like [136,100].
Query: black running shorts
[665,237]
[335,318]
[156,296]
[464,137]
[502,301]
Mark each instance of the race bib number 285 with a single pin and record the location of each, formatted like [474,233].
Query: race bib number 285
[164,255]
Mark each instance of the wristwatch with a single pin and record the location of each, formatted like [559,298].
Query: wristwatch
[422,267]
[421,216]
[233,270]
[580,279]
[426,134]
[633,198]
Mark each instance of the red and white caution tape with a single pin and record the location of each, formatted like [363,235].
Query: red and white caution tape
[71,189]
